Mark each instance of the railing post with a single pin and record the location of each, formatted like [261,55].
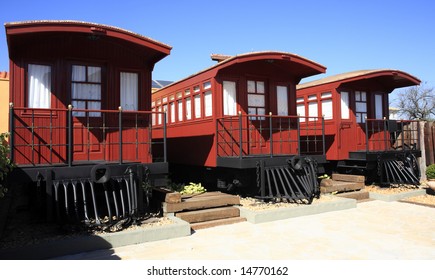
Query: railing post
[298,127]
[120,133]
[164,136]
[240,135]
[367,134]
[403,134]
[385,134]
[270,134]
[11,131]
[70,136]
[418,136]
[323,136]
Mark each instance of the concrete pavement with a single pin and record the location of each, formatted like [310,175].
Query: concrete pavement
[374,230]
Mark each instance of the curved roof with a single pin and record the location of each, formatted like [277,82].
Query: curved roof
[391,78]
[41,26]
[301,67]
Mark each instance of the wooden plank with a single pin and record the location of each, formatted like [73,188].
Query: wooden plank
[201,203]
[214,223]
[209,214]
[348,178]
[339,186]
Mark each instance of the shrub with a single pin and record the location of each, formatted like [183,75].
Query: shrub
[5,163]
[430,171]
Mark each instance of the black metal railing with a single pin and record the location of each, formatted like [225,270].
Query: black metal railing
[64,136]
[387,135]
[269,135]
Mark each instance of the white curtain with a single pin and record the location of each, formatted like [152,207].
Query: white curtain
[129,91]
[208,106]
[345,105]
[39,95]
[197,99]
[282,99]
[230,105]
[378,106]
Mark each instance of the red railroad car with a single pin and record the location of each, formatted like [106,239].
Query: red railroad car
[235,125]
[80,113]
[360,137]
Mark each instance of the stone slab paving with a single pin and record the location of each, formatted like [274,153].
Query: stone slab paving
[374,230]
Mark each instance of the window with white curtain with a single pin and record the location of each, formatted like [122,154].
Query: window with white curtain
[39,86]
[229,98]
[129,83]
[197,100]
[208,106]
[300,108]
[180,110]
[282,100]
[345,114]
[379,112]
[313,110]
[172,112]
[86,89]
[188,108]
[327,105]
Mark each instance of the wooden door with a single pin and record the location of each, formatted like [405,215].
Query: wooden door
[360,98]
[86,94]
[258,123]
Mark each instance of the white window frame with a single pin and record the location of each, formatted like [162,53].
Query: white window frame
[344,105]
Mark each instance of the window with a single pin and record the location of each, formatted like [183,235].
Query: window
[86,89]
[313,110]
[180,110]
[345,114]
[256,98]
[230,105]
[172,111]
[282,100]
[208,104]
[327,105]
[39,86]
[188,108]
[300,107]
[129,91]
[360,106]
[379,112]
[197,100]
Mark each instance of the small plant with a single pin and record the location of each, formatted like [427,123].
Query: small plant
[430,171]
[5,163]
[193,188]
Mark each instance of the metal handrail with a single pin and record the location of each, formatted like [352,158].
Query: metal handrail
[234,135]
[34,129]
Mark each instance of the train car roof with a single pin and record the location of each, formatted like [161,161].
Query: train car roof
[302,66]
[15,30]
[389,78]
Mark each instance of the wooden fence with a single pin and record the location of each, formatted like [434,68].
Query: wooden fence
[429,142]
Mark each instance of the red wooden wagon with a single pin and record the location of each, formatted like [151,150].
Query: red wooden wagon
[80,113]
[235,125]
[360,137]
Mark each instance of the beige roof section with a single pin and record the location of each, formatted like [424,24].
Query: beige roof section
[226,59]
[353,75]
[76,22]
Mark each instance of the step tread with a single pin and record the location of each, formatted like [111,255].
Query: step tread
[203,215]
[220,222]
[201,202]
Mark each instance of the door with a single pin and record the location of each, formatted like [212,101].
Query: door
[86,93]
[360,118]
[258,124]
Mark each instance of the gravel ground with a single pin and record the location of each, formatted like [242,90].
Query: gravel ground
[33,232]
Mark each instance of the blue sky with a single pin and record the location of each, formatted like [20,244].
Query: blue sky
[341,35]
